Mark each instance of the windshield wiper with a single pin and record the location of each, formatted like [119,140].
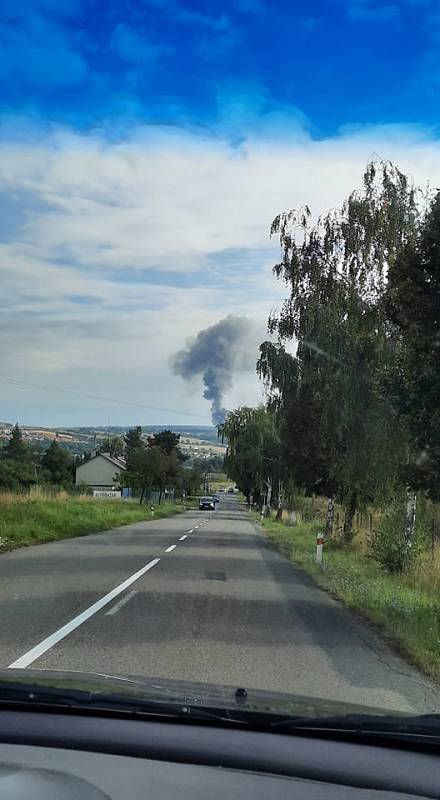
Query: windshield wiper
[426,725]
[35,695]
[38,696]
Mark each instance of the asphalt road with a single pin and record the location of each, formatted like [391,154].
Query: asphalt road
[220,606]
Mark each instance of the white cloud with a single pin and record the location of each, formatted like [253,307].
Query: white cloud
[114,252]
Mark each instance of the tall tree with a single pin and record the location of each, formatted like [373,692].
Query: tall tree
[58,465]
[154,470]
[17,449]
[134,448]
[190,481]
[167,440]
[339,425]
[149,467]
[414,306]
[253,453]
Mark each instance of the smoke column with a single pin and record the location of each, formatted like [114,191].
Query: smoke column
[217,353]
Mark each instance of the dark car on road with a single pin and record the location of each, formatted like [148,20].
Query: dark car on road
[206,504]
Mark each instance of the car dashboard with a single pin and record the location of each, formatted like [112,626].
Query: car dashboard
[46,755]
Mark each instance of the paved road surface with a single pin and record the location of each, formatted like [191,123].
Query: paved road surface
[221,606]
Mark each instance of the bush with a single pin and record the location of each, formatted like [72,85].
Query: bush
[387,543]
[304,506]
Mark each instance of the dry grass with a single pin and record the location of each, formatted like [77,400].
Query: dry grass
[426,575]
[36,493]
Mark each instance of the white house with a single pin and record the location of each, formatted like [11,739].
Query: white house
[100,472]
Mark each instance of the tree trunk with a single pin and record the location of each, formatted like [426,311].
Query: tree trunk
[142,496]
[268,496]
[279,502]
[330,517]
[263,506]
[160,495]
[410,518]
[350,512]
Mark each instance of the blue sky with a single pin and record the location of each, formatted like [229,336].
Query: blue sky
[145,148]
[337,62]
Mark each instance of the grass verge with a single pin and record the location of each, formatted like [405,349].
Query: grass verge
[27,520]
[408,613]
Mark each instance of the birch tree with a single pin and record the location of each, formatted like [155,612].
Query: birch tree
[339,424]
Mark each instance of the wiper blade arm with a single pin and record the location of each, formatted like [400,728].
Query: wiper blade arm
[423,725]
[37,695]
[164,708]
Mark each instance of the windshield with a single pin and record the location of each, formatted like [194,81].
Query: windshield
[219,364]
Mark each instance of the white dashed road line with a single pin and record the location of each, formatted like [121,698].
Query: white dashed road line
[120,604]
[61,633]
[39,649]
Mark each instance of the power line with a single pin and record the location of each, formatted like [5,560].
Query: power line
[100,399]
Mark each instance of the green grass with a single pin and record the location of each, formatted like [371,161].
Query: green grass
[28,520]
[404,608]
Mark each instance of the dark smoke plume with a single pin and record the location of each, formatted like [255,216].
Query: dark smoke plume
[217,353]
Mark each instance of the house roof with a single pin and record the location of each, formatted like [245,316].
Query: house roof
[118,462]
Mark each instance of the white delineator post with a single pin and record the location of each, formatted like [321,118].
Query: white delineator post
[319,548]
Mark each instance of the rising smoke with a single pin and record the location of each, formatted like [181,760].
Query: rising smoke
[217,353]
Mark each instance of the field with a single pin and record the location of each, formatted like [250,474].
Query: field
[27,520]
[406,608]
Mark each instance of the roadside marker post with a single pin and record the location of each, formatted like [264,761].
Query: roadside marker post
[319,548]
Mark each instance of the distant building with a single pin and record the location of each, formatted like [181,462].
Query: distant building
[100,472]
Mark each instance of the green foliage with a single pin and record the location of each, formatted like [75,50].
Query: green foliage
[253,454]
[191,482]
[15,475]
[211,464]
[155,464]
[17,449]
[297,500]
[388,543]
[156,468]
[19,468]
[340,432]
[57,465]
[134,448]
[414,307]
[166,440]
